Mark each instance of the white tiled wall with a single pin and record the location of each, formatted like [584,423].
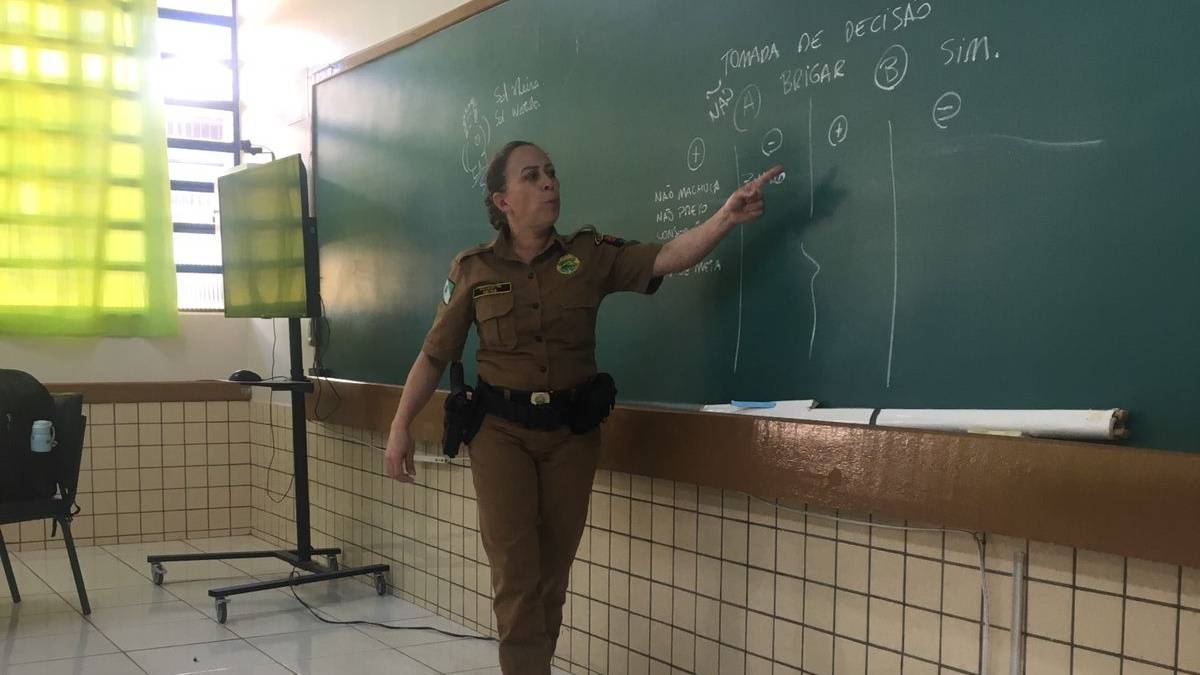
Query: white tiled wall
[675,578]
[156,471]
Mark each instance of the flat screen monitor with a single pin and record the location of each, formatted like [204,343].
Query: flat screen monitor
[268,242]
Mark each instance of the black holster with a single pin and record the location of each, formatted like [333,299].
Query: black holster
[593,403]
[462,413]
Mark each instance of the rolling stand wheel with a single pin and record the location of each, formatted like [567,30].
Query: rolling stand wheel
[331,562]
[222,609]
[157,572]
[381,585]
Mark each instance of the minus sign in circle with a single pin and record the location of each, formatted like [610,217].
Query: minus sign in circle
[946,108]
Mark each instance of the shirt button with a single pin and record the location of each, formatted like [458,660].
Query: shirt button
[536,305]
[542,368]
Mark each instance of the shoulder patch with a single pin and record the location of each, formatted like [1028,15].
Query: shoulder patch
[586,229]
[447,292]
[610,240]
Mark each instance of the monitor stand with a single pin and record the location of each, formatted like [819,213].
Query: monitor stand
[302,556]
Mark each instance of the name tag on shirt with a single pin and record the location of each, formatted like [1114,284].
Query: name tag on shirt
[484,290]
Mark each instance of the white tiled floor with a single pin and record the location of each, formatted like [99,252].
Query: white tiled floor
[137,628]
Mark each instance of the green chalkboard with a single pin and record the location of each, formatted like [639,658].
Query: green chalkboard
[987,204]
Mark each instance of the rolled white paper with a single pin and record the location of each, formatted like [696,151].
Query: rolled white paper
[1073,424]
[1083,424]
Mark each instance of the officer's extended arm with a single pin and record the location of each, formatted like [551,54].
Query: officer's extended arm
[745,204]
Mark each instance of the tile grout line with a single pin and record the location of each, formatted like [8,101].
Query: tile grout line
[1122,595]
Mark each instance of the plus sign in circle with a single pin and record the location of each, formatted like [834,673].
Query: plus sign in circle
[695,154]
[838,130]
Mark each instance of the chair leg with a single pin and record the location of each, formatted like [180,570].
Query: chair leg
[8,570]
[70,542]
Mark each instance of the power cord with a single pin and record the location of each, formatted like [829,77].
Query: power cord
[250,149]
[319,365]
[357,622]
[271,428]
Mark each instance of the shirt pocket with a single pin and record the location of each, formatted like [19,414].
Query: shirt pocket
[578,326]
[497,325]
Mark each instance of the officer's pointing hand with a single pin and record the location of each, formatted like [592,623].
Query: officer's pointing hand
[746,203]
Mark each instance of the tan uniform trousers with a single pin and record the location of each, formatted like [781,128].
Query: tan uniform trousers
[532,489]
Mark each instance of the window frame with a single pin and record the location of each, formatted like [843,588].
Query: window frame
[233,106]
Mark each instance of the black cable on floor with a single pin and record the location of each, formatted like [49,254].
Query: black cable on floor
[310,608]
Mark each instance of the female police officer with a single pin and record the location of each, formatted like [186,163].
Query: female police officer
[533,294]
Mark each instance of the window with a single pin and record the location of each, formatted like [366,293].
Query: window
[198,40]
[85,232]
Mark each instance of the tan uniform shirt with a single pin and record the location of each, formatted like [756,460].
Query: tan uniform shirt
[537,321]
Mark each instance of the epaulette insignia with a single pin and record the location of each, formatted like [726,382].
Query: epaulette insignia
[609,239]
[586,229]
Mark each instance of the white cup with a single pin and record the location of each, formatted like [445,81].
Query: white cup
[41,439]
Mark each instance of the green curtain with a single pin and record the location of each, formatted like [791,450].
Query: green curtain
[85,227]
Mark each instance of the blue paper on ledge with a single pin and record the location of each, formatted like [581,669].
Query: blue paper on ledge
[753,404]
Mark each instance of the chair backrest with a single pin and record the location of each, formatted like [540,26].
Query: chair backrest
[70,424]
[24,474]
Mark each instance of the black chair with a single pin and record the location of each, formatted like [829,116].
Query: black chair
[69,424]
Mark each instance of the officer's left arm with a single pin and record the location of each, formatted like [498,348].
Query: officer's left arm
[745,204]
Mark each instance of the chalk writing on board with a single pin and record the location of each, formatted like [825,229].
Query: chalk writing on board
[672,232]
[735,59]
[812,290]
[719,98]
[520,87]
[707,266]
[810,41]
[671,214]
[894,19]
[957,51]
[812,75]
[749,177]
[772,141]
[689,191]
[668,193]
[838,129]
[946,108]
[695,154]
[737,344]
[527,106]
[478,134]
[812,190]
[748,107]
[520,93]
[986,141]
[895,255]
[892,68]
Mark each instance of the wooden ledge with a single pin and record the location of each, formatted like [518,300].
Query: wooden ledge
[148,392]
[1128,501]
[461,13]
